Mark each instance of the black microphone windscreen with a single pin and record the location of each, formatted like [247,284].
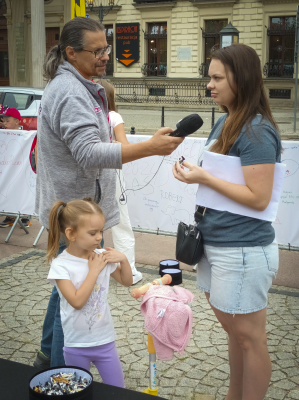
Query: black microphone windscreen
[189,124]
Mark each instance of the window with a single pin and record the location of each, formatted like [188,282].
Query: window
[279,93]
[156,38]
[156,91]
[3,54]
[281,46]
[109,38]
[20,101]
[211,38]
[4,64]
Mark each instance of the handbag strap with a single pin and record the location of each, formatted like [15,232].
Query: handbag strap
[199,213]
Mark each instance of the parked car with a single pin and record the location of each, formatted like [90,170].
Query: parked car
[26,100]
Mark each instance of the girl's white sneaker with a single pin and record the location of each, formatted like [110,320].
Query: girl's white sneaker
[137,276]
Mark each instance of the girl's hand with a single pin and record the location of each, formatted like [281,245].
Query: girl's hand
[96,263]
[195,174]
[113,256]
[123,272]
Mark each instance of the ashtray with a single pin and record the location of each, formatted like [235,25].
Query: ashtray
[171,267]
[173,264]
[73,382]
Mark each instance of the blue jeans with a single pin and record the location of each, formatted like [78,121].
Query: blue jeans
[53,339]
[238,278]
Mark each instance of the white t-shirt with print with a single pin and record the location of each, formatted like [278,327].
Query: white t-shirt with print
[114,119]
[93,324]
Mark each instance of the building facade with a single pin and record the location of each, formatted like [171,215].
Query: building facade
[175,39]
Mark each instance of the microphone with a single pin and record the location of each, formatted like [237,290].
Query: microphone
[187,125]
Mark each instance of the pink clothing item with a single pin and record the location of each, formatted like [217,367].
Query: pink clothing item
[168,318]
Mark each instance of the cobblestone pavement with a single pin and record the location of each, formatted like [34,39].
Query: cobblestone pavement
[201,373]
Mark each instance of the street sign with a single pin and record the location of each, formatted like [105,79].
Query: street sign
[78,8]
[127,43]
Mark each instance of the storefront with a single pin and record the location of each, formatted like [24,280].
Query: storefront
[175,39]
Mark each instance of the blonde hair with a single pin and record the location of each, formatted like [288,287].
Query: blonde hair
[66,215]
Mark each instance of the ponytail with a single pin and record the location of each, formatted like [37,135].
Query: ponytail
[52,61]
[54,229]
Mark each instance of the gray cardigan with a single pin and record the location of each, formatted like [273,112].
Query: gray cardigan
[74,147]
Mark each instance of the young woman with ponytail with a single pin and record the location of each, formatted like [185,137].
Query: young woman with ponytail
[81,274]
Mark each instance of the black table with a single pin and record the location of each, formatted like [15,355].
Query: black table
[14,383]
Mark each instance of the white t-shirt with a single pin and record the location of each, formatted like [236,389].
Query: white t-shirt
[114,119]
[93,324]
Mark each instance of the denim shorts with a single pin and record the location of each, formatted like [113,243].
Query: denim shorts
[238,278]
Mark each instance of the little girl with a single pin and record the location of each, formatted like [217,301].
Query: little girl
[81,274]
[122,234]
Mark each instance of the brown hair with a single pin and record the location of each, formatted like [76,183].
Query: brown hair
[66,215]
[251,99]
[110,94]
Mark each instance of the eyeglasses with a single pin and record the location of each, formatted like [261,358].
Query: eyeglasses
[100,53]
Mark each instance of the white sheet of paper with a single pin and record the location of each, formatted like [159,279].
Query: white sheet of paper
[229,169]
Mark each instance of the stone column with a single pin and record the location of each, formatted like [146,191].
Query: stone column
[17,45]
[38,35]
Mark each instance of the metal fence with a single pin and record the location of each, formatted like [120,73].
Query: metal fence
[163,93]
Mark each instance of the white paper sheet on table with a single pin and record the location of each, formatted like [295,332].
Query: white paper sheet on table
[229,169]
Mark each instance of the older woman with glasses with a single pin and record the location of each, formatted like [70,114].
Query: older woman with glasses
[76,157]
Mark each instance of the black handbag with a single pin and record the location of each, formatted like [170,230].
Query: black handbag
[189,243]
